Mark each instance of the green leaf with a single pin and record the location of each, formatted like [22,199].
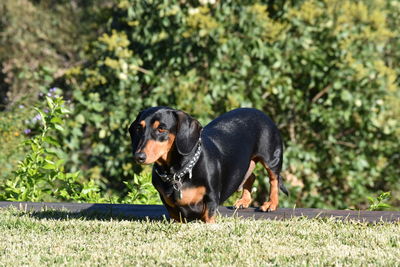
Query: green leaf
[384,205]
[49,166]
[385,196]
[346,96]
[102,133]
[56,120]
[80,118]
[42,116]
[59,127]
[52,141]
[50,102]
[64,110]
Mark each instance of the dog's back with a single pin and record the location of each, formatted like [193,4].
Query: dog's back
[237,137]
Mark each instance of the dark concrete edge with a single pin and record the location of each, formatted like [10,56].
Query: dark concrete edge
[159,212]
[377,219]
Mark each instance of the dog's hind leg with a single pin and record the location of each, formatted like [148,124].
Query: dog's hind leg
[245,200]
[272,203]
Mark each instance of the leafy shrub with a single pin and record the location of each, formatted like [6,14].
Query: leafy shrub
[41,176]
[39,39]
[140,191]
[12,133]
[379,202]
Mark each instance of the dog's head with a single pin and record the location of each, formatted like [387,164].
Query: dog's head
[157,131]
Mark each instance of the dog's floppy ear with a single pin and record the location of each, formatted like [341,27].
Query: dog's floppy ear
[135,122]
[132,131]
[187,132]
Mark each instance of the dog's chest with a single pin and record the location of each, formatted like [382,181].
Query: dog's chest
[184,196]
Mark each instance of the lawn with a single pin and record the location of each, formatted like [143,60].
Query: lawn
[62,238]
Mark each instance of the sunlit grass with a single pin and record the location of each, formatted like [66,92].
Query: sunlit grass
[62,238]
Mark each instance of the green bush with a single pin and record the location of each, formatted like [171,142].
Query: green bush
[41,176]
[379,202]
[12,133]
[326,71]
[40,39]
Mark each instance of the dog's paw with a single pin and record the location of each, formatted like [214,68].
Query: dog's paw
[242,203]
[268,206]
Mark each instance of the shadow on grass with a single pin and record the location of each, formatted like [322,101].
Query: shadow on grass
[104,212]
[82,215]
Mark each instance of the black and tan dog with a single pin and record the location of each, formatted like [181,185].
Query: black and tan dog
[196,169]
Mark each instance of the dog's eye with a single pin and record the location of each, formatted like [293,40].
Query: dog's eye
[161,129]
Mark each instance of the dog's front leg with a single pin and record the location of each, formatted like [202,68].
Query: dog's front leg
[210,209]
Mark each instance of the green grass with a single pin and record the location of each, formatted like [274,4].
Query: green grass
[61,238]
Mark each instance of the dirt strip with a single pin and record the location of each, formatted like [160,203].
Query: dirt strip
[158,211]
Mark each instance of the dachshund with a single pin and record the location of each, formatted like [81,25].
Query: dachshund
[196,169]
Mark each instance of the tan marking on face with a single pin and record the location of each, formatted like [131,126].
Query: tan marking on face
[143,123]
[192,195]
[155,124]
[158,151]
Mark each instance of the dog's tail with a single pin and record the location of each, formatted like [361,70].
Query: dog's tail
[282,186]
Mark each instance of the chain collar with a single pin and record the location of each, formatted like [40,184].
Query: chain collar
[176,178]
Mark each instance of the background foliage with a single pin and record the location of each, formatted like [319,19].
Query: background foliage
[40,40]
[326,71]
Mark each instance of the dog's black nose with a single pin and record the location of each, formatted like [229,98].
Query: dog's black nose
[140,157]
